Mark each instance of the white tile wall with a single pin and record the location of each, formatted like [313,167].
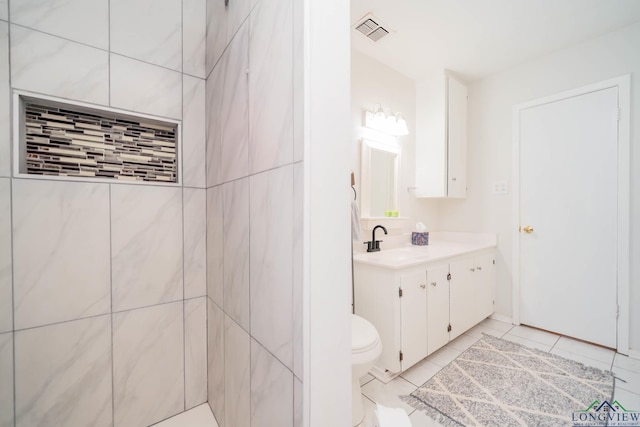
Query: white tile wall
[84,21]
[195,242]
[271,264]
[146,245]
[271,390]
[214,107]
[195,351]
[298,400]
[55,66]
[237,376]
[194,27]
[236,251]
[6,298]
[216,33]
[215,245]
[67,238]
[5,143]
[68,362]
[145,88]
[250,154]
[234,114]
[216,360]
[193,132]
[6,380]
[222,25]
[148,366]
[298,241]
[60,251]
[298,82]
[237,13]
[270,85]
[148,30]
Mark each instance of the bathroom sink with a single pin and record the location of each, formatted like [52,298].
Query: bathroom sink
[392,255]
[408,255]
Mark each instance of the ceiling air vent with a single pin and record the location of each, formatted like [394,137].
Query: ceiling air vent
[372,28]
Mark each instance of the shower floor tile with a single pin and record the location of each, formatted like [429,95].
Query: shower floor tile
[200,416]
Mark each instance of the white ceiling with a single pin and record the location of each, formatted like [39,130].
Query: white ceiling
[475,38]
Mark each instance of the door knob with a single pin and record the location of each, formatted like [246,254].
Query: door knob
[528,229]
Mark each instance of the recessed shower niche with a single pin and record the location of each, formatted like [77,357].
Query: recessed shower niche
[56,138]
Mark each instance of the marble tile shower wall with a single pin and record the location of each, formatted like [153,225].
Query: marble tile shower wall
[255,194]
[103,286]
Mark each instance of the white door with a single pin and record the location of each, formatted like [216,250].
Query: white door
[568,216]
[413,318]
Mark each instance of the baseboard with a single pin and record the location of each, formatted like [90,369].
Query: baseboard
[502,318]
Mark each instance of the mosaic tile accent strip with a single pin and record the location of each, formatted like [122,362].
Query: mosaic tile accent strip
[62,141]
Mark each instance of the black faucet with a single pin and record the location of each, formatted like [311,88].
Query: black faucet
[374,245]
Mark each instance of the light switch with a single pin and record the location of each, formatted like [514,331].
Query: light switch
[500,187]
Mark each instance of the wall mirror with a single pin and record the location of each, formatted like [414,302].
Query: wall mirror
[380,173]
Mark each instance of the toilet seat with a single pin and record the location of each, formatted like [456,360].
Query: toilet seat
[364,336]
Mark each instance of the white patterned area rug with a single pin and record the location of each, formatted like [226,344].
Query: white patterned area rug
[501,383]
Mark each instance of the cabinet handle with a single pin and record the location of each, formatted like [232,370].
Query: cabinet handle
[479,268]
[423,286]
[454,179]
[433,283]
[472,269]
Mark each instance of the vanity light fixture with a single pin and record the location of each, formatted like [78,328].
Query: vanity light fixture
[401,125]
[384,120]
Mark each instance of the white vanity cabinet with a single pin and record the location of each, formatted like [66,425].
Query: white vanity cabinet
[471,292]
[395,302]
[419,309]
[441,137]
[437,306]
[413,300]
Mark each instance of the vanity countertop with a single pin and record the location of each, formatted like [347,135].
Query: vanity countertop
[400,253]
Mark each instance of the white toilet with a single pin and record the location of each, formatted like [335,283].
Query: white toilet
[366,347]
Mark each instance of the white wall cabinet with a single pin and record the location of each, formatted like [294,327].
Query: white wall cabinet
[419,309]
[441,137]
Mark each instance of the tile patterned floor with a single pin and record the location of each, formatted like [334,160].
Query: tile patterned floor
[625,369]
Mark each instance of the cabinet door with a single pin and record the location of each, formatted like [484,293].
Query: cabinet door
[485,280]
[463,297]
[431,136]
[437,307]
[456,138]
[413,315]
[441,137]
